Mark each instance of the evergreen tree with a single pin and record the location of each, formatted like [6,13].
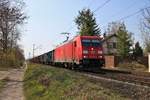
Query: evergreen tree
[124,41]
[86,23]
[138,51]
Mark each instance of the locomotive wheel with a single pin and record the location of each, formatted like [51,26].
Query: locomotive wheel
[72,67]
[80,67]
[65,65]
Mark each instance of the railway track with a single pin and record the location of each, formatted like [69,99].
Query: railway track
[129,84]
[142,79]
[124,76]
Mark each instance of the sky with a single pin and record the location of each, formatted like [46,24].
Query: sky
[49,18]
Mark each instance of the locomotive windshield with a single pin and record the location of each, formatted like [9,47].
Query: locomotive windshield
[94,42]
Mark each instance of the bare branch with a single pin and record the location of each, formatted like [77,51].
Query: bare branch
[11,16]
[145,29]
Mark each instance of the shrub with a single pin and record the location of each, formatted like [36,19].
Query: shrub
[44,80]
[11,59]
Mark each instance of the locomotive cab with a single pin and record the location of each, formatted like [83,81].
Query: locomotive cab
[92,53]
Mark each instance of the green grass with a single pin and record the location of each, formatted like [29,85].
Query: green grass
[48,83]
[2,83]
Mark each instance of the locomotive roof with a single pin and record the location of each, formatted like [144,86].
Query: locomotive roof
[90,37]
[79,36]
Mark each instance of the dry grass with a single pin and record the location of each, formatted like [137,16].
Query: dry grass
[45,82]
[132,66]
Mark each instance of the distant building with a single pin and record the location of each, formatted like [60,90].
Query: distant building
[110,44]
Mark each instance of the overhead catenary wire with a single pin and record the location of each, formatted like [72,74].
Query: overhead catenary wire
[71,27]
[101,6]
[128,16]
[125,9]
[90,3]
[133,14]
[98,8]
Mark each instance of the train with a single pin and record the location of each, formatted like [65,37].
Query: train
[81,51]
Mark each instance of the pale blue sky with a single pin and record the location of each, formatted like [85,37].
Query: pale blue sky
[48,18]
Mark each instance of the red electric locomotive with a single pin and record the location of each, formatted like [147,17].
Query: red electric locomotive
[82,50]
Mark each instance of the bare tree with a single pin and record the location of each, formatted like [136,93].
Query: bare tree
[113,27]
[145,29]
[11,16]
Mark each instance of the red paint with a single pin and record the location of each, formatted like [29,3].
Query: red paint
[72,51]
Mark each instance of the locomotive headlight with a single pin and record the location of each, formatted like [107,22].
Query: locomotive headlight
[85,56]
[100,57]
[100,52]
[85,51]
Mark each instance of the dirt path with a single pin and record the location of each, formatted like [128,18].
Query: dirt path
[13,90]
[3,74]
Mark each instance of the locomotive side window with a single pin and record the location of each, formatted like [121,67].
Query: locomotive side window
[75,44]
